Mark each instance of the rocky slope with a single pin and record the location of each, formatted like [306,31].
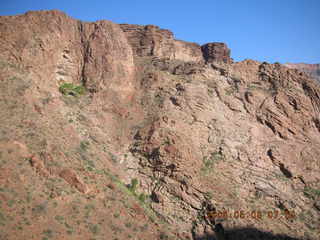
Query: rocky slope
[120,131]
[312,69]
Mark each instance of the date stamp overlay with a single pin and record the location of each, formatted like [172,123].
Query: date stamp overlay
[253,214]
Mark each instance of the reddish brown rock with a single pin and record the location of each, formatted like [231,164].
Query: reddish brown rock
[72,178]
[216,51]
[150,40]
[96,55]
[312,69]
[39,166]
[237,136]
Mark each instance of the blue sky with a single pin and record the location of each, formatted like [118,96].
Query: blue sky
[272,30]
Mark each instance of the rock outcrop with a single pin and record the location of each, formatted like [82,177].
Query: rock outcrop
[94,54]
[312,69]
[216,51]
[152,125]
[150,40]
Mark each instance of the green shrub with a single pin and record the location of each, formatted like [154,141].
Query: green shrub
[311,192]
[133,186]
[71,89]
[209,161]
[84,145]
[142,197]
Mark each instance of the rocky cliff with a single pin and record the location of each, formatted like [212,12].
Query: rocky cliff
[123,131]
[312,69]
[216,52]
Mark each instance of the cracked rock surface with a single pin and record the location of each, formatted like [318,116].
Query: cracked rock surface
[166,132]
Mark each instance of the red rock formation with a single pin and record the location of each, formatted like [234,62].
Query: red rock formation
[150,40]
[94,54]
[196,137]
[216,51]
[312,69]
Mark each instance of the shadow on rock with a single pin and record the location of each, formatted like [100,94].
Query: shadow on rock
[246,234]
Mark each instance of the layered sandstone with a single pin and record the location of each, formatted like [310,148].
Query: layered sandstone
[312,69]
[180,126]
[94,54]
[216,51]
[150,40]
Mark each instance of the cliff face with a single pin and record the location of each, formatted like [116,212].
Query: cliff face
[150,40]
[53,45]
[104,125]
[312,69]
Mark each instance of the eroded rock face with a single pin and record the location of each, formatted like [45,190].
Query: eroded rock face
[66,50]
[197,131]
[312,69]
[216,51]
[150,40]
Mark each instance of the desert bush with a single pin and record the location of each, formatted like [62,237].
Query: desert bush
[311,192]
[71,89]
[133,186]
[142,197]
